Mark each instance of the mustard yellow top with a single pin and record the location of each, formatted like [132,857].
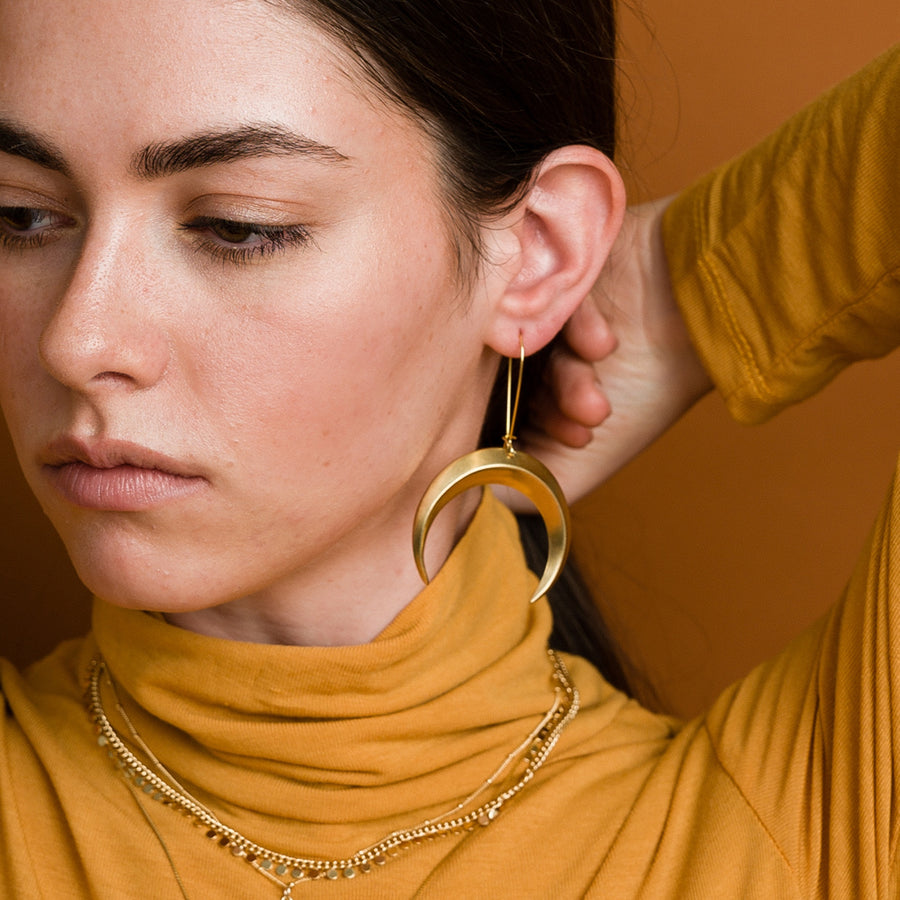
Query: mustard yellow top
[785,262]
[785,789]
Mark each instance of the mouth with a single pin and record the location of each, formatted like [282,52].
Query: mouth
[117,476]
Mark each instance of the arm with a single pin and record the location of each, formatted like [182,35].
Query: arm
[784,264]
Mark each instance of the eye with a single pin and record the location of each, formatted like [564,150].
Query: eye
[21,218]
[237,241]
[234,232]
[24,226]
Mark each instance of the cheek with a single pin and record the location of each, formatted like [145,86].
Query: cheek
[337,341]
[23,386]
[29,293]
[299,382]
[339,383]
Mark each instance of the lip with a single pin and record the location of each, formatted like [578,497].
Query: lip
[117,476]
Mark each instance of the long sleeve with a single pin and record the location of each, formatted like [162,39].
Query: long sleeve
[786,261]
[786,264]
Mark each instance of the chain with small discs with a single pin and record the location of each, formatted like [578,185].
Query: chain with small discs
[287,871]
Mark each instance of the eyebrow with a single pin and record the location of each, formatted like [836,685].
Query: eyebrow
[165,158]
[17,141]
[212,147]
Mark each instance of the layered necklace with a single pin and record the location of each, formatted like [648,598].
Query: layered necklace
[151,778]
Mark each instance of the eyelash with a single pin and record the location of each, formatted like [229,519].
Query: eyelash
[272,239]
[15,239]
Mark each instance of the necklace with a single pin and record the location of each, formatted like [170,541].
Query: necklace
[286,871]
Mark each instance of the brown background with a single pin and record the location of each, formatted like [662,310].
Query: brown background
[720,542]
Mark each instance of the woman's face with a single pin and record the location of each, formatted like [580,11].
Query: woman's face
[232,347]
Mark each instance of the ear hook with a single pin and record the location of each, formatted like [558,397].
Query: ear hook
[512,409]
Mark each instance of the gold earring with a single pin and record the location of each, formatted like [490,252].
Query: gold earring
[510,467]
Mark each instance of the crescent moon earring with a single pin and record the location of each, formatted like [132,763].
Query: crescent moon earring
[512,468]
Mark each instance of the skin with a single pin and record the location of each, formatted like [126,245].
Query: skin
[312,397]
[260,357]
[626,369]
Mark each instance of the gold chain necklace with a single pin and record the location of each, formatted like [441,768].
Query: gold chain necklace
[286,871]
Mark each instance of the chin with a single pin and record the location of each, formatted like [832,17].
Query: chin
[138,578]
[139,593]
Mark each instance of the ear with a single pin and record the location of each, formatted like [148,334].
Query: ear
[565,227]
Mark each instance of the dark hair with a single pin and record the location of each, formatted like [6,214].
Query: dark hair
[499,84]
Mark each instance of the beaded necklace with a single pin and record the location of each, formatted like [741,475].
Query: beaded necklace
[285,871]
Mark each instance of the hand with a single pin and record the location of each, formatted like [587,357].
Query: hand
[625,369]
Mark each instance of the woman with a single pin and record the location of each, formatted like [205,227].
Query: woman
[260,261]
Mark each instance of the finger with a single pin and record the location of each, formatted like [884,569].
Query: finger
[559,429]
[576,393]
[588,333]
[547,425]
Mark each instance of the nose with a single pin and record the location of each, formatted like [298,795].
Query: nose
[105,331]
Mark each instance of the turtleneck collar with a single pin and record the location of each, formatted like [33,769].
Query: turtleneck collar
[397,729]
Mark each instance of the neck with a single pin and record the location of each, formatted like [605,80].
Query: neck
[347,596]
[276,734]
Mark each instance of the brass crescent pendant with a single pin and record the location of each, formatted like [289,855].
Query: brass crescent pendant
[496,465]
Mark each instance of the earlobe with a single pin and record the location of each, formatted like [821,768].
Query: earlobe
[566,225]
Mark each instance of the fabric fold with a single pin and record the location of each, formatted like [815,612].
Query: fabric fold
[278,730]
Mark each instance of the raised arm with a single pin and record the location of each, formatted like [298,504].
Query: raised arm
[786,262]
[782,267]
